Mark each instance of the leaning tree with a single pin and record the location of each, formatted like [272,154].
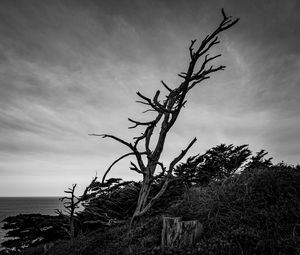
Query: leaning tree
[147,148]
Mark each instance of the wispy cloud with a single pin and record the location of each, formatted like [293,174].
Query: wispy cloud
[72,68]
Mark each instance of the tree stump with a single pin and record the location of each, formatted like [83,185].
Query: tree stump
[177,233]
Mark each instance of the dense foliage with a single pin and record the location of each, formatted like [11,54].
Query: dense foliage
[218,163]
[255,212]
[32,229]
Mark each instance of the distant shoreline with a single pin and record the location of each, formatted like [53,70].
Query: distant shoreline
[13,205]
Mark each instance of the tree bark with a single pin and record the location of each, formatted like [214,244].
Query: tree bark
[167,110]
[179,234]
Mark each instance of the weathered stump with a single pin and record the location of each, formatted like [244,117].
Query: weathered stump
[177,233]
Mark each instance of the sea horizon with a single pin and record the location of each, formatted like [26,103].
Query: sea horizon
[13,205]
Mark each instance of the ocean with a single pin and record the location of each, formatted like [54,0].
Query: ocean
[10,206]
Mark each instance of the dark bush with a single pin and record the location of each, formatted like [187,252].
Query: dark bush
[28,230]
[255,212]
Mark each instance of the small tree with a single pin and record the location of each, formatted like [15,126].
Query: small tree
[71,204]
[167,112]
[259,161]
[218,163]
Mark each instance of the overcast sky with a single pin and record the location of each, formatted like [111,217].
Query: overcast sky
[70,68]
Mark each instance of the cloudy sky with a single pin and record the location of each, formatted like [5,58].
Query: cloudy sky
[70,68]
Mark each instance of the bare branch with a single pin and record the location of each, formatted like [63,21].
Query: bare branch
[206,60]
[180,156]
[148,133]
[166,86]
[114,138]
[159,105]
[148,102]
[191,48]
[149,110]
[163,168]
[198,81]
[135,168]
[213,69]
[229,22]
[226,23]
[201,52]
[133,148]
[147,99]
[182,76]
[138,123]
[141,102]
[116,161]
[223,13]
[155,104]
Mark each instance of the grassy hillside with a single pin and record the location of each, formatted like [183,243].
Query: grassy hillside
[256,212]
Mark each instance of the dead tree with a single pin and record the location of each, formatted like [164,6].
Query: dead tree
[167,112]
[71,204]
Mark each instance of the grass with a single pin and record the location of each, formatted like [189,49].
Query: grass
[256,212]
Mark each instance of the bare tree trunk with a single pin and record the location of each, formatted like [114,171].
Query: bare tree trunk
[178,234]
[167,111]
[72,227]
[143,195]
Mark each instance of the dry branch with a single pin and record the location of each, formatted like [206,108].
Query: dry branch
[167,111]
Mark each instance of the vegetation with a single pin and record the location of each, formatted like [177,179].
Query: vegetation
[248,210]
[255,212]
[28,230]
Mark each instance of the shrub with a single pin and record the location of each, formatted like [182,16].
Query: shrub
[255,212]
